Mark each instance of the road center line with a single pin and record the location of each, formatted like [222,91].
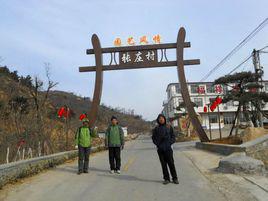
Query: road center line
[128,164]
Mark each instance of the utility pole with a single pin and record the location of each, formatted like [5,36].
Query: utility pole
[258,70]
[209,124]
[219,119]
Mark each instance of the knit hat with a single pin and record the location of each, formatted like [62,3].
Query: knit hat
[113,117]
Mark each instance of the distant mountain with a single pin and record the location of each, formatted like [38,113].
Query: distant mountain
[80,105]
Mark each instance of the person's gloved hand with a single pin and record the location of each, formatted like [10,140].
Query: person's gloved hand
[76,147]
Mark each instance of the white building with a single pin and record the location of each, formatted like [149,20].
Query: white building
[200,94]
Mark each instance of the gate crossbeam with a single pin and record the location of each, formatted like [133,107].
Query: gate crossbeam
[122,67]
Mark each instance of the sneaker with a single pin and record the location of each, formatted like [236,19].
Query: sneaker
[112,171]
[117,172]
[166,182]
[86,171]
[176,181]
[79,172]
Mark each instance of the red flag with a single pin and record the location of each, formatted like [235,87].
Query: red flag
[205,109]
[218,100]
[66,112]
[213,106]
[82,116]
[60,112]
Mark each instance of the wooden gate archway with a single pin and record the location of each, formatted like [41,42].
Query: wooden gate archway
[148,58]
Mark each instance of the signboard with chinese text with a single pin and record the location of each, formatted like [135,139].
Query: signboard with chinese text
[148,57]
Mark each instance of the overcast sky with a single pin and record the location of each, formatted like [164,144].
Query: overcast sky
[33,32]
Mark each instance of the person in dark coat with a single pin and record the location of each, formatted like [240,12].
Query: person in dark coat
[163,137]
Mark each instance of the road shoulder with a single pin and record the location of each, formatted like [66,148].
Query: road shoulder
[234,187]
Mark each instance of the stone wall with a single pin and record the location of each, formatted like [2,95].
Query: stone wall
[224,149]
[13,171]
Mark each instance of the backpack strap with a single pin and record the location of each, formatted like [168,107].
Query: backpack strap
[79,131]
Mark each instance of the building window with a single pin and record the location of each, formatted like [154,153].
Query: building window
[176,102]
[178,88]
[213,118]
[228,118]
[230,103]
[225,89]
[266,86]
[169,93]
[198,102]
[194,88]
[210,88]
[171,105]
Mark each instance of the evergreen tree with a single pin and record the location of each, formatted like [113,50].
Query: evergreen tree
[244,90]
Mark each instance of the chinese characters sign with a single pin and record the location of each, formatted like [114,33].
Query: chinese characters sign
[218,89]
[201,89]
[156,39]
[147,57]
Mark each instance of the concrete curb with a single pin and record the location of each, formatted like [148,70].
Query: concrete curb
[226,149]
[13,171]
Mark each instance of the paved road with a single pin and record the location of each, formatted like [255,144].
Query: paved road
[140,180]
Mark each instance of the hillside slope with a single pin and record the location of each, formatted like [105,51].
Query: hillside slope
[80,105]
[28,120]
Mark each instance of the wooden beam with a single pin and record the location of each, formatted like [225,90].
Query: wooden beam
[120,67]
[139,48]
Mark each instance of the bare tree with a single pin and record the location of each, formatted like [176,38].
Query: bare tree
[41,103]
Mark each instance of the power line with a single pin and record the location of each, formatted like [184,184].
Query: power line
[263,48]
[239,46]
[246,59]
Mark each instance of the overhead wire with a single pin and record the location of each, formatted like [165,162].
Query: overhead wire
[238,47]
[246,59]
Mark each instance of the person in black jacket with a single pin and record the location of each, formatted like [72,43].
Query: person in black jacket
[163,137]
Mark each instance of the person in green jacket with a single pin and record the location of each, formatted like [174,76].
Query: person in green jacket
[83,143]
[115,142]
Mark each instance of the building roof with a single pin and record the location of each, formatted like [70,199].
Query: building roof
[174,83]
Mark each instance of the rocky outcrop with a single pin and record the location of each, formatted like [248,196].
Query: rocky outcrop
[240,163]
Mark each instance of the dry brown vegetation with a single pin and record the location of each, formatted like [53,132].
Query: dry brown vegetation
[29,125]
